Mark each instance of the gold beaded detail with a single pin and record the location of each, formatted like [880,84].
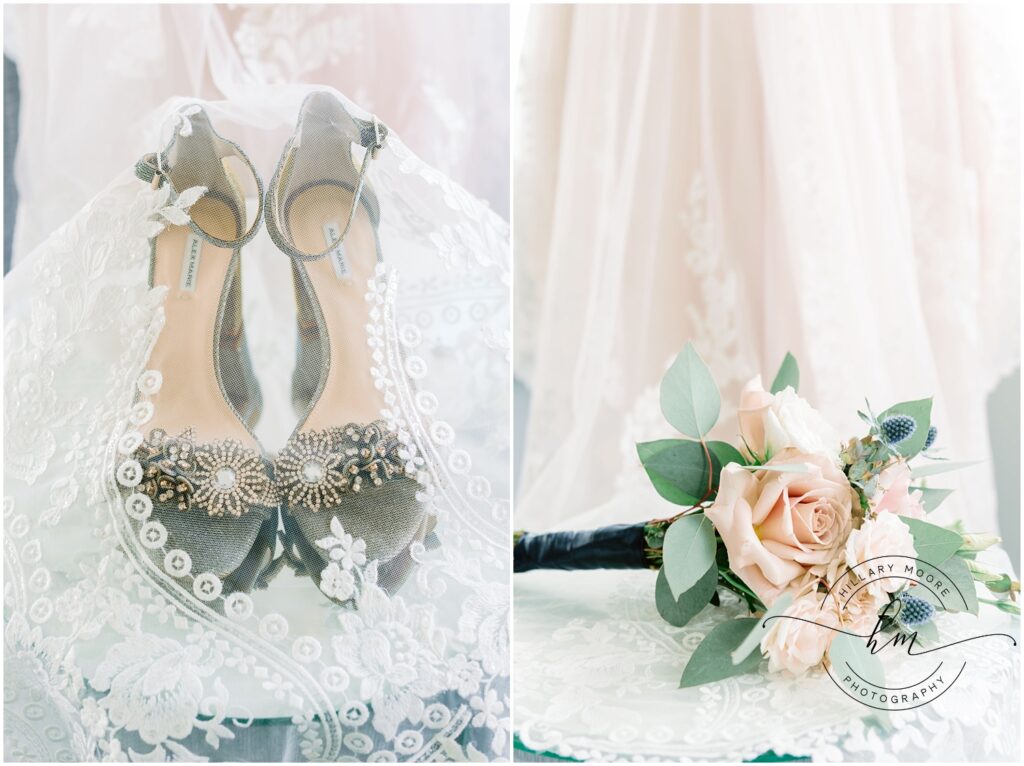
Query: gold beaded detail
[316,467]
[223,478]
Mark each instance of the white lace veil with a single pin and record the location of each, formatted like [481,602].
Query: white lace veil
[115,648]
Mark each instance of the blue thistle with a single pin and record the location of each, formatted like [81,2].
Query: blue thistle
[933,432]
[915,611]
[897,428]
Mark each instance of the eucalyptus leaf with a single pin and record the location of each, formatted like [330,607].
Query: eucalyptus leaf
[689,552]
[753,639]
[679,611]
[963,596]
[689,397]
[726,453]
[921,411]
[712,661]
[850,657]
[927,633]
[788,375]
[940,466]
[678,468]
[932,543]
[925,594]
[932,498]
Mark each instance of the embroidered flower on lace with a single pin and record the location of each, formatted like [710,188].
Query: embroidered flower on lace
[387,647]
[466,675]
[484,624]
[153,686]
[337,583]
[489,707]
[344,549]
[173,211]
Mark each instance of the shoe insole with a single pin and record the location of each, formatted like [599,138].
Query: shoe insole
[316,218]
[194,271]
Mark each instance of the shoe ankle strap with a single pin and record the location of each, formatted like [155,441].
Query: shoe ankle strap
[371,135]
[156,169]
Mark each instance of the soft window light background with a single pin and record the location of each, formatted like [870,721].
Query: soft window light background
[841,182]
[88,73]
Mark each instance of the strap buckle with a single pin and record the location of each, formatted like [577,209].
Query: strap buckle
[150,168]
[380,136]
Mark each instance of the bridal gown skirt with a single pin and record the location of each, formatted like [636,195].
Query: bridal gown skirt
[113,648]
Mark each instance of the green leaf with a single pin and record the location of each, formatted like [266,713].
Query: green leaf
[712,661]
[940,466]
[689,397]
[963,597]
[679,611]
[678,469]
[753,639]
[921,411]
[788,375]
[689,551]
[932,498]
[927,633]
[726,453]
[849,655]
[933,544]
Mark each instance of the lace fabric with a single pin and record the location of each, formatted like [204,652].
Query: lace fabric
[597,673]
[115,631]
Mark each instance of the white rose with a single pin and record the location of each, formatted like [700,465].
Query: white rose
[771,423]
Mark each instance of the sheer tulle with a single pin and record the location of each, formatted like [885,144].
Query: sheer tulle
[88,71]
[112,628]
[841,183]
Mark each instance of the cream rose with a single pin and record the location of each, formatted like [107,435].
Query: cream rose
[860,612]
[783,528]
[882,545]
[894,495]
[771,423]
[796,646]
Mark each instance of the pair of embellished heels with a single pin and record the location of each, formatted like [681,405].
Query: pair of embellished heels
[201,490]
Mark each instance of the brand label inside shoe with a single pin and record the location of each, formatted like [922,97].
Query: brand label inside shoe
[190,263]
[331,233]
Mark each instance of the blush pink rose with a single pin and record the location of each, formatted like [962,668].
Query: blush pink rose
[881,546]
[894,495]
[782,528]
[796,646]
[859,613]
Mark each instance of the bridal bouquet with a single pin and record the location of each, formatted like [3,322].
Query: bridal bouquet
[825,538]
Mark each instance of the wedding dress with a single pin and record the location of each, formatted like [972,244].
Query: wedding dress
[124,61]
[117,646]
[838,182]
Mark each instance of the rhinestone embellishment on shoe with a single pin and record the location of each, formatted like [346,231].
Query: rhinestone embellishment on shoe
[317,467]
[313,471]
[222,478]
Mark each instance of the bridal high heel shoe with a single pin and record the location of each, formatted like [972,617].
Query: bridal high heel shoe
[342,465]
[195,473]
